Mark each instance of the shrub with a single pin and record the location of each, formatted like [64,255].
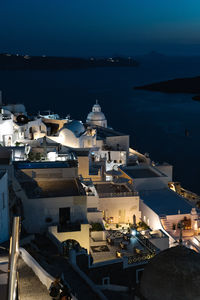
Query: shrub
[143,225]
[96,227]
[31,156]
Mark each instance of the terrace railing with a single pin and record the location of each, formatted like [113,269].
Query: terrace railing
[118,194]
[146,243]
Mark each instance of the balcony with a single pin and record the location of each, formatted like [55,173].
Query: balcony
[69,227]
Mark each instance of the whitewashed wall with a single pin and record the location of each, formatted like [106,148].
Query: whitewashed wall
[128,206]
[4,209]
[37,210]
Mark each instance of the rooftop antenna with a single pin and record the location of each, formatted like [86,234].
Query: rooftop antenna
[96,101]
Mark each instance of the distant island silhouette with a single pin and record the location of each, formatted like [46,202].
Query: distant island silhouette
[189,85]
[26,62]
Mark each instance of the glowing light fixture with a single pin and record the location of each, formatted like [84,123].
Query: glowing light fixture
[134,232]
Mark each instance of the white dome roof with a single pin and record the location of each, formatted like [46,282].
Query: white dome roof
[96,115]
[76,127]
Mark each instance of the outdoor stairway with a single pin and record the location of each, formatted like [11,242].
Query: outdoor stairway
[80,288]
[3,278]
[30,287]
[166,224]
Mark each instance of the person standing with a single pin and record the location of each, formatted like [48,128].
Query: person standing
[55,288]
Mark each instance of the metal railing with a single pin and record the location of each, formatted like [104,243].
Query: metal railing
[134,259]
[119,194]
[145,242]
[13,257]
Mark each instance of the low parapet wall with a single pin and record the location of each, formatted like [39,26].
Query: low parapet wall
[44,277]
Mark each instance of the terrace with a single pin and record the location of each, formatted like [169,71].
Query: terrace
[46,188]
[122,245]
[141,172]
[109,190]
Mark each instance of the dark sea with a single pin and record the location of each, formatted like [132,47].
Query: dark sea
[156,122]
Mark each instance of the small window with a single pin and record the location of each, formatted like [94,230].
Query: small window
[64,215]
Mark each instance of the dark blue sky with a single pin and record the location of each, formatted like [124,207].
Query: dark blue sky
[99,27]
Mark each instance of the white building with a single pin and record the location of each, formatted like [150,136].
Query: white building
[75,135]
[118,202]
[112,158]
[146,177]
[6,128]
[32,130]
[96,116]
[54,200]
[4,208]
[164,209]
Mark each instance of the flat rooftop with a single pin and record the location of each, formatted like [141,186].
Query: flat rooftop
[140,173]
[165,202]
[52,188]
[111,188]
[103,132]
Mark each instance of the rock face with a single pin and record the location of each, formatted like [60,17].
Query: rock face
[196,98]
[173,274]
[179,85]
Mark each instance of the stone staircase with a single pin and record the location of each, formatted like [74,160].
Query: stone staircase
[166,224]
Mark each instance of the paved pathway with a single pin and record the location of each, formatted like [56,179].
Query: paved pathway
[30,287]
[3,278]
[58,264]
[79,287]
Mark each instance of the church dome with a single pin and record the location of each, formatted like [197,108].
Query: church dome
[172,274]
[96,116]
[75,126]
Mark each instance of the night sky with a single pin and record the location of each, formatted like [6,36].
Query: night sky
[99,27]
